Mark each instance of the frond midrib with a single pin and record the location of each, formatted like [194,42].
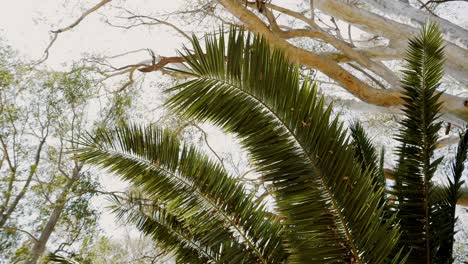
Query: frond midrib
[179,234]
[426,159]
[336,209]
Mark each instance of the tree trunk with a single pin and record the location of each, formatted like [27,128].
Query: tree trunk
[452,32]
[6,213]
[40,244]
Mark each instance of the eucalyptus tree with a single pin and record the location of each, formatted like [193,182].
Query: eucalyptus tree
[69,185]
[26,116]
[331,202]
[43,189]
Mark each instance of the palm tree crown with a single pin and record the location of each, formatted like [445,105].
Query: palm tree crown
[331,202]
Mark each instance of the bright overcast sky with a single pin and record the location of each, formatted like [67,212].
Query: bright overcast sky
[25,24]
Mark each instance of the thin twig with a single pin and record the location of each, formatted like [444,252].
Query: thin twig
[72,25]
[20,230]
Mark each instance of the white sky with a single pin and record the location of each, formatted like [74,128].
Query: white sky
[25,24]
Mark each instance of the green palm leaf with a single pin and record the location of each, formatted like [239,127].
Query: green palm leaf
[325,199]
[447,202]
[195,190]
[366,154]
[417,204]
[172,234]
[54,258]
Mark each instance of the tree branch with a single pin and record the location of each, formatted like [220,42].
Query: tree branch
[155,21]
[398,33]
[161,63]
[390,97]
[72,25]
[338,42]
[6,228]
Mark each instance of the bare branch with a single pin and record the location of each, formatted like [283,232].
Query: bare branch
[72,25]
[398,32]
[446,141]
[161,63]
[312,12]
[162,22]
[46,51]
[438,2]
[7,228]
[154,21]
[337,42]
[349,36]
[125,53]
[205,138]
[85,14]
[368,75]
[130,79]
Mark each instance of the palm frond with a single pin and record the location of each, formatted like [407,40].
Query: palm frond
[446,204]
[366,154]
[192,188]
[418,136]
[54,258]
[324,197]
[170,233]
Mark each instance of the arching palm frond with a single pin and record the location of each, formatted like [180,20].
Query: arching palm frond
[215,209]
[329,209]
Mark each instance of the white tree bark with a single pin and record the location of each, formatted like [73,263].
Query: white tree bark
[454,106]
[453,33]
[398,33]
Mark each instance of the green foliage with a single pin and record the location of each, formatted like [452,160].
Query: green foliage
[5,78]
[446,201]
[50,107]
[300,150]
[421,209]
[323,198]
[366,154]
[330,194]
[214,207]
